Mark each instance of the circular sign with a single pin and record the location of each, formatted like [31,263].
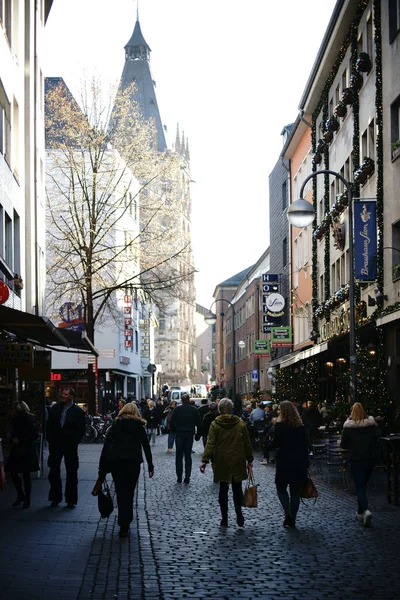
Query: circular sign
[151,368]
[275,303]
[4,292]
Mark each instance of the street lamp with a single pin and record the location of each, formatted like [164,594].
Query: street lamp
[301,214]
[210,318]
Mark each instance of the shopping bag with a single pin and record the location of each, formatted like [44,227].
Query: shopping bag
[250,493]
[309,490]
[105,502]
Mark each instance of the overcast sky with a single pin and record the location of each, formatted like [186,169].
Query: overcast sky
[231,73]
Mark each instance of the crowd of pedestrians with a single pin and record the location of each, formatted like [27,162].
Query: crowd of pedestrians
[229,441]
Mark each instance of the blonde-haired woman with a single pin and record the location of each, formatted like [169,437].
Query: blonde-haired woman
[290,440]
[360,438]
[122,456]
[23,458]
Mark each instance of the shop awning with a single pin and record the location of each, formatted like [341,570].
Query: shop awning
[301,355]
[42,332]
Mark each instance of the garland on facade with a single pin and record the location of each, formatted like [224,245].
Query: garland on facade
[298,384]
[314,242]
[379,140]
[327,248]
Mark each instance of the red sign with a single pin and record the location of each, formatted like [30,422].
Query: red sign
[4,292]
[128,343]
[55,376]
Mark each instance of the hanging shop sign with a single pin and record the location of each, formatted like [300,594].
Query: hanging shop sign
[365,239]
[128,333]
[281,337]
[16,355]
[4,292]
[262,348]
[336,326]
[270,278]
[71,317]
[271,301]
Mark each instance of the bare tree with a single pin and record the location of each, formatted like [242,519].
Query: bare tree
[113,205]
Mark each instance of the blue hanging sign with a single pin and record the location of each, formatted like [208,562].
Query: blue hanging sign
[365,239]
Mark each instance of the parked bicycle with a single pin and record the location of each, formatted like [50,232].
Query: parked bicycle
[96,428]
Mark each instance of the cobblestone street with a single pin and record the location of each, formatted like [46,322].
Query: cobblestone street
[176,548]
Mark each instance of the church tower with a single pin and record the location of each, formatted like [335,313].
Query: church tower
[175,336]
[137,70]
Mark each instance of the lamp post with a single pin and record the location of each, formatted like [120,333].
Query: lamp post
[211,319]
[301,214]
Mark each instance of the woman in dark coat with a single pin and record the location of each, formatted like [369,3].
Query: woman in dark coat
[167,415]
[23,458]
[122,456]
[361,439]
[290,440]
[229,443]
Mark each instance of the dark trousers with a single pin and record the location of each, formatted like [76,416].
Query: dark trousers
[290,506]
[183,445]
[70,455]
[125,478]
[361,471]
[237,497]
[18,485]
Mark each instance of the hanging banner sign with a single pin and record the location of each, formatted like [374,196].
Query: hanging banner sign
[262,348]
[281,337]
[365,239]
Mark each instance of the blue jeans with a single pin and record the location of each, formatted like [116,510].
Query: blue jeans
[361,471]
[171,440]
[184,444]
[290,506]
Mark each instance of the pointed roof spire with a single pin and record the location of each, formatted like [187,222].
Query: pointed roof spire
[187,153]
[137,48]
[177,140]
[182,150]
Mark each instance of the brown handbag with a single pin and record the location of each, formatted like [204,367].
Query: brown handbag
[309,490]
[250,493]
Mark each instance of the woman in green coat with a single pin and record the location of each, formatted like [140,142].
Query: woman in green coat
[229,443]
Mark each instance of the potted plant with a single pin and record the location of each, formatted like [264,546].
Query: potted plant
[317,158]
[328,136]
[368,165]
[363,63]
[395,149]
[332,124]
[360,176]
[18,283]
[340,110]
[356,81]
[320,146]
[347,96]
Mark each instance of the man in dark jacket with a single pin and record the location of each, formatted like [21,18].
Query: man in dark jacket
[65,429]
[185,421]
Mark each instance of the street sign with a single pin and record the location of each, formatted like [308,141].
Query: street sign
[281,337]
[270,278]
[254,375]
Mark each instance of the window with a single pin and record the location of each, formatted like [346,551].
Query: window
[284,252]
[5,128]
[395,124]
[161,325]
[136,341]
[296,263]
[368,142]
[8,237]
[396,250]
[369,42]
[17,244]
[284,195]
[394,19]
[344,79]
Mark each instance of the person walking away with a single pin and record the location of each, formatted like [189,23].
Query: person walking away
[167,415]
[208,419]
[312,420]
[229,443]
[185,423]
[150,414]
[65,429]
[122,456]
[268,437]
[159,414]
[361,438]
[23,458]
[290,441]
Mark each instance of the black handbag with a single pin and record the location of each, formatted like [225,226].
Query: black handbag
[105,502]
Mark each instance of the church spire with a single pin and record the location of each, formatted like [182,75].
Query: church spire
[177,140]
[137,48]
